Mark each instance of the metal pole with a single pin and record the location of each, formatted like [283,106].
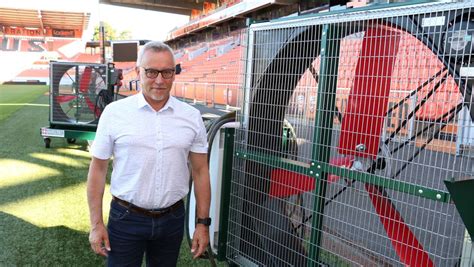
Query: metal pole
[323,131]
[102,42]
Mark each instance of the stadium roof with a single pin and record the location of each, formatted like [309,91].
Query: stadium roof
[182,7]
[37,18]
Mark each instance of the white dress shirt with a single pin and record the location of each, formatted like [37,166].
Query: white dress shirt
[150,149]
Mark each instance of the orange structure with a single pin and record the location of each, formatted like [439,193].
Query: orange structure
[30,38]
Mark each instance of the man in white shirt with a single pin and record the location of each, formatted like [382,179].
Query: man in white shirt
[151,136]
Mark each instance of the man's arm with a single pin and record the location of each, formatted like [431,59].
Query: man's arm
[202,192]
[98,236]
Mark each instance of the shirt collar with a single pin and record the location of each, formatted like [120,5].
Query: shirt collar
[170,104]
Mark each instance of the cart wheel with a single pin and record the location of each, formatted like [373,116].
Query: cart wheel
[47,142]
[71,140]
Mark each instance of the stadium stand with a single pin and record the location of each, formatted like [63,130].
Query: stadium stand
[209,72]
[30,38]
[208,51]
[209,47]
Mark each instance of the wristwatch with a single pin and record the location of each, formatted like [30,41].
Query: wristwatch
[205,221]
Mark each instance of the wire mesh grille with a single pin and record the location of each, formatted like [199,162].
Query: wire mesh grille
[350,124]
[78,93]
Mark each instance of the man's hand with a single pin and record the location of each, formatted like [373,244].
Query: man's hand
[202,192]
[200,240]
[99,239]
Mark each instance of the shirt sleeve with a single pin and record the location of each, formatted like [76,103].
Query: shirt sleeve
[200,141]
[103,144]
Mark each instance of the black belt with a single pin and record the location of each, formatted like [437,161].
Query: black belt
[149,213]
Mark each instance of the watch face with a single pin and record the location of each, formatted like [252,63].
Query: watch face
[205,221]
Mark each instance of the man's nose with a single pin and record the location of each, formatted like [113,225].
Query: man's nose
[159,78]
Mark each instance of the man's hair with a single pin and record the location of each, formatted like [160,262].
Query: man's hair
[155,46]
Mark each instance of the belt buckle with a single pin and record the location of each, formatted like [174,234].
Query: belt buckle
[158,212]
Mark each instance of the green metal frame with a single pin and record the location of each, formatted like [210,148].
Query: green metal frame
[225,192]
[83,135]
[326,106]
[463,197]
[319,168]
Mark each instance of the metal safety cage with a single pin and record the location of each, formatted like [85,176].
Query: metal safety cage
[351,121]
[78,94]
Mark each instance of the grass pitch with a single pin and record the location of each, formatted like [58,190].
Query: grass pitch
[44,217]
[14,97]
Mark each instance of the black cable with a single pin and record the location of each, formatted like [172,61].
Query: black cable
[215,127]
[103,98]
[212,130]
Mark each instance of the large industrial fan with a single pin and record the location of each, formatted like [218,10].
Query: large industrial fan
[78,94]
[381,106]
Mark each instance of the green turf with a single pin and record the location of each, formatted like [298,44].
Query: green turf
[13,97]
[43,209]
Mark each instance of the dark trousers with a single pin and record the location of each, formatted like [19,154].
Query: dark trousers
[133,235]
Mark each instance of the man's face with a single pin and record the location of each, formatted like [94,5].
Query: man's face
[156,90]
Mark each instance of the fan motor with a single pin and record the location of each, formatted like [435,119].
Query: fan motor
[458,40]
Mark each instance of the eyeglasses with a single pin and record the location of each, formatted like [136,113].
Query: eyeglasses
[152,73]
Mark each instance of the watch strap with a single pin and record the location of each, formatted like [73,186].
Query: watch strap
[205,221]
